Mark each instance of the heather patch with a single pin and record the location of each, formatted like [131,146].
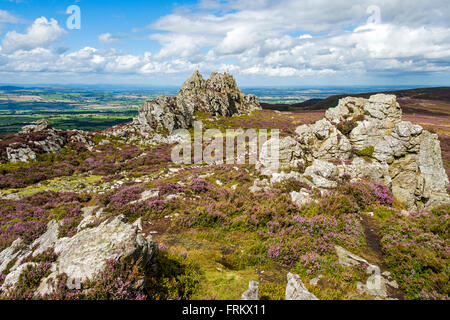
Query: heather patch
[29,280]
[416,250]
[27,218]
[117,281]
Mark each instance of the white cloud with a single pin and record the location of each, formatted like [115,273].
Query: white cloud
[6,17]
[107,39]
[284,38]
[39,35]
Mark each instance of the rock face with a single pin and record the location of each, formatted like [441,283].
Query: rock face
[366,139]
[39,138]
[296,290]
[218,96]
[82,256]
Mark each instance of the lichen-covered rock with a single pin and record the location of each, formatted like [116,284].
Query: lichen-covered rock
[82,256]
[12,254]
[279,154]
[335,146]
[301,198]
[323,174]
[296,290]
[20,154]
[376,285]
[346,109]
[38,126]
[39,138]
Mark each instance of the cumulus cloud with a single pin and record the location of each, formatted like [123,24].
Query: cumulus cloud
[284,38]
[6,17]
[39,35]
[335,36]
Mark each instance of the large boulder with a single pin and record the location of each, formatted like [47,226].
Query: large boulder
[82,256]
[296,290]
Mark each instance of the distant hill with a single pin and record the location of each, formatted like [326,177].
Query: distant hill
[438,93]
[10,88]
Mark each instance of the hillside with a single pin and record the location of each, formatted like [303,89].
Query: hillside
[118,214]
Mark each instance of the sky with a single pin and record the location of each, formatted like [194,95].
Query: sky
[261,42]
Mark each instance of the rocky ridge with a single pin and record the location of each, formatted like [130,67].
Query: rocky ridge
[39,138]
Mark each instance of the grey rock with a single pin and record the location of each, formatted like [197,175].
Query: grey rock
[346,258]
[13,277]
[14,251]
[252,292]
[40,125]
[405,157]
[301,198]
[296,290]
[46,240]
[85,254]
[323,174]
[21,154]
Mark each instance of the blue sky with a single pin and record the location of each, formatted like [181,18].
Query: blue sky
[261,42]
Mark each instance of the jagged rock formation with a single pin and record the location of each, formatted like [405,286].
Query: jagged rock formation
[366,139]
[218,96]
[81,256]
[38,138]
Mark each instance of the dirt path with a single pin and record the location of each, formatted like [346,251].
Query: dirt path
[372,235]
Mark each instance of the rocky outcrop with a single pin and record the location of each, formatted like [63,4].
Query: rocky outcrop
[82,256]
[365,139]
[38,138]
[217,96]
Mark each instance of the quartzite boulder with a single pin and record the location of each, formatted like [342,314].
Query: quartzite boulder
[81,256]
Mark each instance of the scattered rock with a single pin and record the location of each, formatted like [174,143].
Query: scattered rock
[296,290]
[346,258]
[252,292]
[376,284]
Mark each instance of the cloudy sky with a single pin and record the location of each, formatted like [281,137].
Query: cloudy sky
[262,42]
